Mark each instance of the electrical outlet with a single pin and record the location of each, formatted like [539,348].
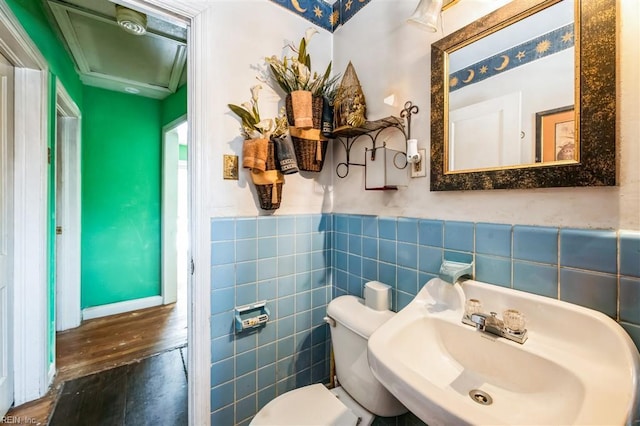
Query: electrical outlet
[230,167]
[419,169]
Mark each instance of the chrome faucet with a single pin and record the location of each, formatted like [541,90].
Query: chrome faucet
[490,323]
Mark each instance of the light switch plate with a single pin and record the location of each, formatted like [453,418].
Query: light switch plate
[420,169]
[230,167]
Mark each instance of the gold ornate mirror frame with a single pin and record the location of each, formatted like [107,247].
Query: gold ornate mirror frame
[595,102]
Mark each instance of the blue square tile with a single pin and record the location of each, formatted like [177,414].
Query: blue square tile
[387,274]
[303,243]
[286,225]
[268,333]
[303,224]
[355,225]
[286,286]
[387,251]
[593,290]
[592,250]
[267,376]
[303,262]
[630,300]
[246,294]
[370,269]
[223,276]
[246,250]
[354,285]
[387,228]
[424,278]
[633,331]
[222,300]
[246,272]
[223,416]
[342,242]
[221,324]
[286,327]
[285,347]
[267,290]
[630,253]
[223,252]
[246,362]
[536,278]
[286,265]
[245,385]
[303,301]
[267,353]
[407,255]
[246,409]
[318,222]
[246,227]
[222,229]
[429,259]
[245,342]
[222,395]
[221,348]
[303,282]
[221,372]
[355,265]
[408,230]
[326,222]
[355,244]
[267,226]
[318,260]
[536,244]
[458,256]
[430,232]
[408,281]
[493,270]
[341,223]
[403,300]
[458,236]
[303,321]
[493,239]
[286,306]
[285,367]
[319,297]
[318,278]
[342,260]
[265,395]
[318,241]
[267,269]
[370,247]
[370,226]
[267,247]
[286,245]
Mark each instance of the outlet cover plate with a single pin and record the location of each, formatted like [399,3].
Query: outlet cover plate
[419,169]
[230,167]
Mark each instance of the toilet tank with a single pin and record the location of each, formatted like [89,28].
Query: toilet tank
[354,323]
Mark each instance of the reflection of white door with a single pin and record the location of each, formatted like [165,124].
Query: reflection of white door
[485,134]
[6,191]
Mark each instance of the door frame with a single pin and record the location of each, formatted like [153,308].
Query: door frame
[195,14]
[30,324]
[169,214]
[68,247]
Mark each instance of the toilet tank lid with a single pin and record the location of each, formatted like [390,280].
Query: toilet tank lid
[351,312]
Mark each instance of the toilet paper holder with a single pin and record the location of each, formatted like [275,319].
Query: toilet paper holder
[251,316]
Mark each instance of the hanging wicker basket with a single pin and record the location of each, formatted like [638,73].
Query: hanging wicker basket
[269,183]
[309,145]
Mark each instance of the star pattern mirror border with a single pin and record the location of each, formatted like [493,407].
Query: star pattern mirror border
[595,27]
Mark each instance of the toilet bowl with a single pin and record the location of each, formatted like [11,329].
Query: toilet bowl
[360,397]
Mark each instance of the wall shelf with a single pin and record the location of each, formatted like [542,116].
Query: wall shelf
[347,136]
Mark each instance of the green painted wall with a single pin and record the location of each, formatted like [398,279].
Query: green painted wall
[121,166]
[32,16]
[174,106]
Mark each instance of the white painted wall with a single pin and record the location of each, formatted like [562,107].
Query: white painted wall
[244,32]
[393,57]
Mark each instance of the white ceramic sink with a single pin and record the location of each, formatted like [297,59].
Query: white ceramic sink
[578,366]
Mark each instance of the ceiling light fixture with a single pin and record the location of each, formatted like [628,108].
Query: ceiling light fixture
[132,21]
[426,14]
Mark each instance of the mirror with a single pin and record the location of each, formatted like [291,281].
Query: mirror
[525,98]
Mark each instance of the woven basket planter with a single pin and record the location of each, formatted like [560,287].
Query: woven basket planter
[269,194]
[309,145]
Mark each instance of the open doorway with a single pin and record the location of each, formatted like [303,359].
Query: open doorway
[175,212]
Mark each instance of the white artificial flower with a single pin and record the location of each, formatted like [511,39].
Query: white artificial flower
[309,33]
[254,92]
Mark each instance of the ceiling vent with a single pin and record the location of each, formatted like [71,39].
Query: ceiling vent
[132,21]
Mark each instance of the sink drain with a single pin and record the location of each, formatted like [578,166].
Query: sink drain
[480,397]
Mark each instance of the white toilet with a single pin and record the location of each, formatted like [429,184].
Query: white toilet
[360,397]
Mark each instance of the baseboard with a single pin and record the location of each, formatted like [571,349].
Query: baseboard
[121,307]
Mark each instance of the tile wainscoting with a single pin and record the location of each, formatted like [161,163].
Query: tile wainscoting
[298,263]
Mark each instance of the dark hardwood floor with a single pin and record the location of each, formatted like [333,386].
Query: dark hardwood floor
[106,343]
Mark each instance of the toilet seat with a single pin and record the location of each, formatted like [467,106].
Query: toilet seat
[309,405]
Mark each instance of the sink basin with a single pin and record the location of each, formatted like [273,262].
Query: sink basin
[578,366]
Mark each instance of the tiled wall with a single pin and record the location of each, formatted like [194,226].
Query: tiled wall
[297,262]
[599,269]
[284,260]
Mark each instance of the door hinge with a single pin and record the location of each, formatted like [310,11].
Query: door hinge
[193,266]
[58,230]
[48,155]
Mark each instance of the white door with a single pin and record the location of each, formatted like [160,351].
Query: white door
[6,241]
[485,134]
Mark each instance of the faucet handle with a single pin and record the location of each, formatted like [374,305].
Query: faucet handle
[472,306]
[514,321]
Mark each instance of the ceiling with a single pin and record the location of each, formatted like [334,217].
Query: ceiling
[106,56]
